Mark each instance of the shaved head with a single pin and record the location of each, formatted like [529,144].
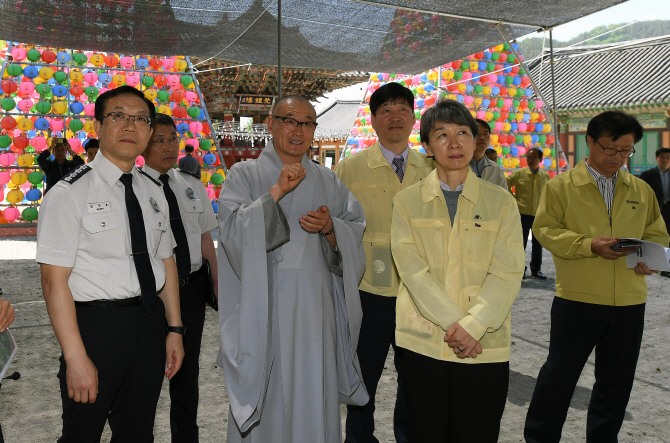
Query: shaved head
[291,98]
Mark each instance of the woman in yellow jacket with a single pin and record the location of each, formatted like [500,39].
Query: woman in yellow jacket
[456,241]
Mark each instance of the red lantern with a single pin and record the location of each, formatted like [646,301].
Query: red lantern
[21,142]
[550,139]
[179,112]
[8,123]
[156,63]
[48,56]
[531,127]
[76,91]
[111,61]
[177,95]
[9,87]
[503,90]
[159,80]
[456,64]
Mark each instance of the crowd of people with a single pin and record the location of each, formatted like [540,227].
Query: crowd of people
[319,273]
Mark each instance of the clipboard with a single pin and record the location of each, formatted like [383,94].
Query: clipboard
[655,256]
[8,350]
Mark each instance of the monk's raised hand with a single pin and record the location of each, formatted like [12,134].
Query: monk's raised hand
[289,177]
[317,221]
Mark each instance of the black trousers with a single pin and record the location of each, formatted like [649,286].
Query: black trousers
[184,393]
[576,328]
[127,346]
[451,402]
[377,335]
[536,254]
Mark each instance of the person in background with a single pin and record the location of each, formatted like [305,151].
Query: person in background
[191,219]
[659,180]
[188,163]
[600,301]
[91,147]
[491,154]
[483,167]
[528,184]
[374,176]
[57,168]
[456,241]
[6,315]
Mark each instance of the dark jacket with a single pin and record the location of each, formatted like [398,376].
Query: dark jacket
[54,171]
[190,164]
[653,178]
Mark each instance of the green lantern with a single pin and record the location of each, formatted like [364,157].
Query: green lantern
[43,107]
[478,89]
[518,139]
[490,67]
[7,104]
[520,92]
[417,114]
[75,125]
[505,47]
[5,141]
[42,89]
[543,139]
[193,112]
[509,79]
[205,144]
[14,70]
[496,116]
[34,55]
[458,75]
[531,104]
[147,81]
[500,103]
[29,214]
[216,179]
[495,56]
[511,58]
[79,58]
[163,96]
[505,150]
[516,103]
[186,80]
[553,152]
[521,71]
[492,125]
[91,91]
[35,177]
[60,76]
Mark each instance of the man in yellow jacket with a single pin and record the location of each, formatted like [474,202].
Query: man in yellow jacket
[599,301]
[374,176]
[456,241]
[528,184]
[480,164]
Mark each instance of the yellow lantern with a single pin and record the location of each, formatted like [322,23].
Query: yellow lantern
[205,176]
[534,116]
[25,160]
[15,196]
[59,107]
[511,92]
[76,75]
[97,59]
[451,96]
[486,90]
[473,113]
[546,128]
[546,152]
[489,116]
[498,149]
[474,66]
[527,139]
[182,143]
[118,79]
[150,94]
[180,65]
[46,73]
[164,109]
[506,162]
[19,178]
[494,138]
[507,127]
[461,87]
[24,124]
[88,126]
[447,75]
[519,116]
[478,101]
[432,76]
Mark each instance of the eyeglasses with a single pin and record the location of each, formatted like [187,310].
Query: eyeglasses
[612,152]
[292,123]
[122,117]
[166,141]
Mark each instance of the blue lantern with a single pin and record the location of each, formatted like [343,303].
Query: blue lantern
[30,71]
[33,195]
[59,90]
[215,207]
[104,78]
[209,159]
[76,108]
[182,127]
[42,124]
[63,57]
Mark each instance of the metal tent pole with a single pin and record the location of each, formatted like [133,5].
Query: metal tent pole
[557,142]
[279,73]
[10,45]
[553,103]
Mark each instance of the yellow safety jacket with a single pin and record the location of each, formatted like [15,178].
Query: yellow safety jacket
[468,273]
[572,212]
[528,188]
[371,179]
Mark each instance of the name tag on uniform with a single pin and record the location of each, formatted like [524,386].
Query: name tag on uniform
[93,208]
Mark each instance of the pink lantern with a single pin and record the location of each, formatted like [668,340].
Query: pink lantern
[57,124]
[139,162]
[210,193]
[417,125]
[492,78]
[75,143]
[523,127]
[39,143]
[91,78]
[168,63]
[172,80]
[190,96]
[522,151]
[103,90]
[499,126]
[467,75]
[4,177]
[508,102]
[25,104]
[468,99]
[481,115]
[132,80]
[19,54]
[127,62]
[11,214]
[89,109]
[195,127]
[193,142]
[26,88]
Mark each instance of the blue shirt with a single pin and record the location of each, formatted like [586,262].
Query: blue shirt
[389,156]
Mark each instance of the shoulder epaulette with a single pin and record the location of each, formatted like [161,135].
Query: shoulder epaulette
[189,173]
[150,177]
[76,173]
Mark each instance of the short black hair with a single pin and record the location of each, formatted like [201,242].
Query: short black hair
[101,102]
[164,120]
[614,124]
[91,143]
[485,123]
[189,148]
[539,151]
[447,111]
[662,151]
[390,92]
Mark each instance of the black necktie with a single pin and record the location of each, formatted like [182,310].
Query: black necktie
[398,163]
[138,241]
[183,253]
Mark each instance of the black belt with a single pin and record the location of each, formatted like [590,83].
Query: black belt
[122,303]
[190,279]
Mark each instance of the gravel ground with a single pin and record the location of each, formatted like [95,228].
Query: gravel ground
[31,409]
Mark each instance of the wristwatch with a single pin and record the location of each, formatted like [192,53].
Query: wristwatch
[177,329]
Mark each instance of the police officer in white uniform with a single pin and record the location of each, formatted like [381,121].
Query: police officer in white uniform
[110,281]
[191,219]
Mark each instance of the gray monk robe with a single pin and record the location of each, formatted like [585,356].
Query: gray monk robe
[290,312]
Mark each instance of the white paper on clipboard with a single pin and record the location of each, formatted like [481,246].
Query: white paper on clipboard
[655,256]
[8,350]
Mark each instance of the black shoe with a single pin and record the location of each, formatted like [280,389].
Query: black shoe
[538,274]
[663,273]
[524,272]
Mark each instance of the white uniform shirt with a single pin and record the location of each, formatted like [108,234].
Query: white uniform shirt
[83,225]
[195,209]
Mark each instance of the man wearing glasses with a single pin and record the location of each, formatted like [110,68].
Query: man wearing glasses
[291,258]
[191,219]
[599,301]
[528,184]
[110,281]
